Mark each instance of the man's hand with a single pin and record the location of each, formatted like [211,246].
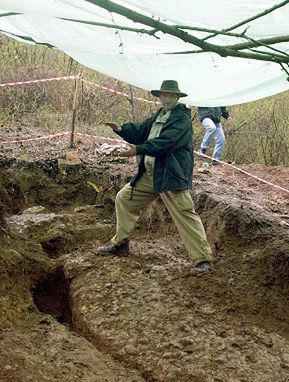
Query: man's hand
[114,126]
[127,153]
[229,119]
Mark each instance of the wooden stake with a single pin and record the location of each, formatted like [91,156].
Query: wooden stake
[74,109]
[132,103]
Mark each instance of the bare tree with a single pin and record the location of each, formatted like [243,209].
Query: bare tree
[248,47]
[179,31]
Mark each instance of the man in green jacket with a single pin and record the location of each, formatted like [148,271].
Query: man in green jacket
[164,144]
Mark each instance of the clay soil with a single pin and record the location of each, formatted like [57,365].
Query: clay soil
[68,314]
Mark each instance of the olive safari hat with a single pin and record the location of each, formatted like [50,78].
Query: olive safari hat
[169,86]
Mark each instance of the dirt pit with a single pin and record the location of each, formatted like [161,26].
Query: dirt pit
[67,314]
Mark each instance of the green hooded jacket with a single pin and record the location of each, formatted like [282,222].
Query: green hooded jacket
[173,149]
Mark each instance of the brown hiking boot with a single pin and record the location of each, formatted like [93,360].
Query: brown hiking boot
[114,250]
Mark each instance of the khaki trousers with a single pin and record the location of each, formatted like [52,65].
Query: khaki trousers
[178,203]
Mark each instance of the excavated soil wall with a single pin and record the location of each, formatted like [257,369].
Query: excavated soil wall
[140,318]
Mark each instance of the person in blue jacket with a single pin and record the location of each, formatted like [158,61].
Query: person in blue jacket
[210,118]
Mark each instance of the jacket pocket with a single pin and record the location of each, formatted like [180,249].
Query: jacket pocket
[176,169]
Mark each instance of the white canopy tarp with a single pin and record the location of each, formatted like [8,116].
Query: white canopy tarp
[142,60]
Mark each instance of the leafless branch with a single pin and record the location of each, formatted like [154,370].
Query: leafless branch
[184,36]
[262,42]
[246,45]
[9,14]
[235,50]
[261,14]
[150,32]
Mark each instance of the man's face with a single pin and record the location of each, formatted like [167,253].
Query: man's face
[168,100]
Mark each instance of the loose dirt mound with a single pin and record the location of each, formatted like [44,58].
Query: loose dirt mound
[141,318]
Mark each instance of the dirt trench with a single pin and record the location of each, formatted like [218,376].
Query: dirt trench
[70,315]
